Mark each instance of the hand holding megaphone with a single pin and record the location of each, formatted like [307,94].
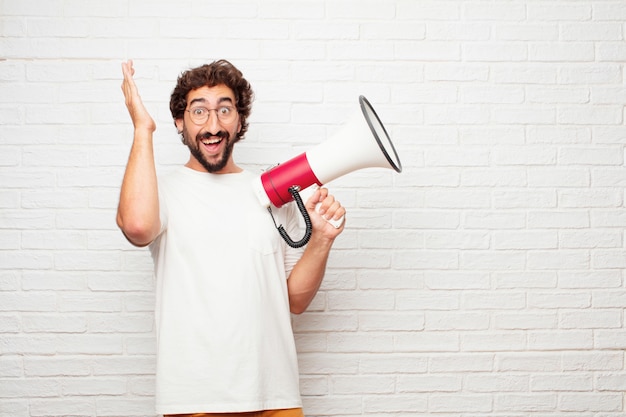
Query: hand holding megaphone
[349,150]
[329,207]
[330,203]
[335,223]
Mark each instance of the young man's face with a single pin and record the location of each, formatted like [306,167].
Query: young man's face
[209,128]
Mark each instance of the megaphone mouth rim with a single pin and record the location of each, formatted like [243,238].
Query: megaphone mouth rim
[367,109]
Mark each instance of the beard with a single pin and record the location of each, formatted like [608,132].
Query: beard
[194,147]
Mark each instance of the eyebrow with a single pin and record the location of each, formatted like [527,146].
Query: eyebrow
[203,100]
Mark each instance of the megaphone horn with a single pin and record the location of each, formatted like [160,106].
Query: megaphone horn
[350,149]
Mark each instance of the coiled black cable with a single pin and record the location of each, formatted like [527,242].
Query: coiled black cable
[293,190]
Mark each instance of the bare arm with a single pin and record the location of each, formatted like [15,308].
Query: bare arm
[307,275]
[138,210]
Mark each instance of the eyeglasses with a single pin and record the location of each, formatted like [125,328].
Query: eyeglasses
[200,115]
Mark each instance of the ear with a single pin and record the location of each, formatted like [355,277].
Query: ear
[179,125]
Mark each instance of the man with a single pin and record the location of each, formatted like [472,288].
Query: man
[226,282]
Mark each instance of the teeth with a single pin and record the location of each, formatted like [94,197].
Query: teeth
[211,141]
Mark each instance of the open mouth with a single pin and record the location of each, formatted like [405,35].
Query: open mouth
[212,143]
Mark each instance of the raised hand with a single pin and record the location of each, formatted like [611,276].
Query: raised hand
[138,113]
[138,210]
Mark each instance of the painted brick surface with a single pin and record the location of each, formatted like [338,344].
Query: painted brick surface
[485,279]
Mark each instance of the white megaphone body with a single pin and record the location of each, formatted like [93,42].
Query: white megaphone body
[362,143]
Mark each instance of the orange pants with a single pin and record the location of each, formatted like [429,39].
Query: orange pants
[290,412]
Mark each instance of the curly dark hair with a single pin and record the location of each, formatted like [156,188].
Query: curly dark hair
[210,75]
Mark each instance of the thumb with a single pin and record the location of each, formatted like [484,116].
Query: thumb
[314,199]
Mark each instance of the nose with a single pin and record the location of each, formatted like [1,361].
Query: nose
[213,122]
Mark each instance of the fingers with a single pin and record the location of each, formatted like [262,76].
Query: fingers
[326,205]
[127,69]
[138,113]
[129,88]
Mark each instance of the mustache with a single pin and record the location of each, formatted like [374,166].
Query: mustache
[222,134]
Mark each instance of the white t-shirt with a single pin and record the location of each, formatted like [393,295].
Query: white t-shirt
[224,336]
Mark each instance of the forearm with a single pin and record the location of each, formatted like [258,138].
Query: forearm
[138,210]
[307,275]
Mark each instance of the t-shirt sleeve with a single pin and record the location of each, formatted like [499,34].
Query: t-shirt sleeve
[154,246]
[163,216]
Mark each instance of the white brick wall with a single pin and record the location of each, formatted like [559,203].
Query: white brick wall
[486,279]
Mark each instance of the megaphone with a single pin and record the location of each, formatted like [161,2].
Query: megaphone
[350,149]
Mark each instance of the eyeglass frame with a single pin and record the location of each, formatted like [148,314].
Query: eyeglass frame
[232,109]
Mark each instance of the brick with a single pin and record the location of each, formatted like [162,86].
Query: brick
[559,299]
[461,362]
[561,52]
[57,366]
[358,385]
[59,407]
[528,362]
[409,300]
[429,383]
[9,323]
[476,300]
[325,363]
[611,382]
[561,382]
[391,322]
[592,402]
[527,32]
[526,402]
[451,403]
[563,95]
[11,367]
[592,361]
[598,319]
[603,31]
[533,239]
[429,10]
[562,340]
[16,388]
[438,321]
[526,320]
[457,31]
[559,11]
[401,404]
[366,300]
[426,342]
[526,279]
[592,156]
[559,177]
[462,280]
[325,322]
[493,342]
[495,51]
[27,301]
[44,323]
[497,12]
[105,323]
[394,364]
[329,405]
[116,406]
[124,365]
[11,408]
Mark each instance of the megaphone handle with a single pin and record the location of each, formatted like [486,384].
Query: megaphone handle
[307,221]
